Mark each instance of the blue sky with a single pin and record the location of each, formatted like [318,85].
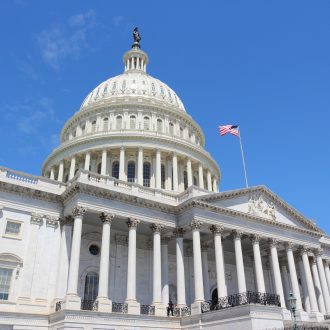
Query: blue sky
[264,65]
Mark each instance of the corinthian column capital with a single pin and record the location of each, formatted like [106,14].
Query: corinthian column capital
[255,238]
[237,234]
[179,232]
[78,211]
[195,224]
[156,227]
[274,242]
[132,223]
[217,229]
[106,217]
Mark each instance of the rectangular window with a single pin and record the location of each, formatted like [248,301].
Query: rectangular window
[13,228]
[5,279]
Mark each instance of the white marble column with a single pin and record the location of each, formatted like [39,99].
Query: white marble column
[165,286]
[60,171]
[219,260]
[169,175]
[104,303]
[285,281]
[72,167]
[122,164]
[133,305]
[104,162]
[309,281]
[157,271]
[205,265]
[327,273]
[52,174]
[72,300]
[215,186]
[180,277]
[65,248]
[189,173]
[198,270]
[317,285]
[323,280]
[158,170]
[140,167]
[87,161]
[293,276]
[258,264]
[276,271]
[239,261]
[305,300]
[200,176]
[209,180]
[175,173]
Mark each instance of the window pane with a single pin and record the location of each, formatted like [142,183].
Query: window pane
[5,279]
[13,228]
[185,180]
[146,174]
[131,172]
[115,170]
[162,176]
[91,286]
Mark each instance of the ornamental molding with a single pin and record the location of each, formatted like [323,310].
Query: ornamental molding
[67,220]
[289,246]
[107,217]
[132,223]
[217,229]
[156,228]
[78,211]
[255,238]
[51,221]
[37,219]
[237,234]
[258,205]
[195,224]
[274,242]
[179,232]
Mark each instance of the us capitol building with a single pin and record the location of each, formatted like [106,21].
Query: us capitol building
[127,217]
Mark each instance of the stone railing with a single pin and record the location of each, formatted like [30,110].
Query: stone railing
[174,197]
[244,298]
[147,310]
[89,305]
[34,181]
[119,308]
[181,311]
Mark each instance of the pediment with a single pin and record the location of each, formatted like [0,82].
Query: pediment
[261,202]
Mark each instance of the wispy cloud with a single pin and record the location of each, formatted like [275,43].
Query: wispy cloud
[66,41]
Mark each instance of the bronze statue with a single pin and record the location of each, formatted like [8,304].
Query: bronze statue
[136,36]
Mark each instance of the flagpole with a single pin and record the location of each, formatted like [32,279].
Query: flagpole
[240,143]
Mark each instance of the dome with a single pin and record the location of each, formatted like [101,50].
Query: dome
[133,83]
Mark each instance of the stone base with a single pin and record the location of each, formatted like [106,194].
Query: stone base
[72,302]
[196,308]
[160,309]
[286,314]
[104,305]
[316,316]
[133,307]
[302,316]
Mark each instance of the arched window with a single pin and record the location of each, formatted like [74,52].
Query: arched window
[171,128]
[131,172]
[91,286]
[146,174]
[185,180]
[132,122]
[162,176]
[119,121]
[115,170]
[74,132]
[146,123]
[83,129]
[159,125]
[99,168]
[181,132]
[105,124]
[93,126]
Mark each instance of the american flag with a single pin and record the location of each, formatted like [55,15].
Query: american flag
[232,129]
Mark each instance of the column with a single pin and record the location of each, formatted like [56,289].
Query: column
[200,176]
[140,166]
[122,164]
[169,175]
[160,309]
[215,186]
[87,161]
[72,300]
[104,303]
[239,261]
[133,305]
[276,271]
[209,181]
[164,255]
[60,171]
[175,173]
[205,266]
[285,281]
[309,281]
[104,162]
[63,266]
[158,170]
[293,276]
[219,261]
[306,301]
[258,264]
[323,280]
[317,284]
[327,273]
[72,167]
[198,270]
[52,174]
[189,173]
[180,277]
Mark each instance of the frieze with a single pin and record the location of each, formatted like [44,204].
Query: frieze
[259,206]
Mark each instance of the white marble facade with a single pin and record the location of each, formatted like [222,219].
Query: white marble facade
[127,216]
